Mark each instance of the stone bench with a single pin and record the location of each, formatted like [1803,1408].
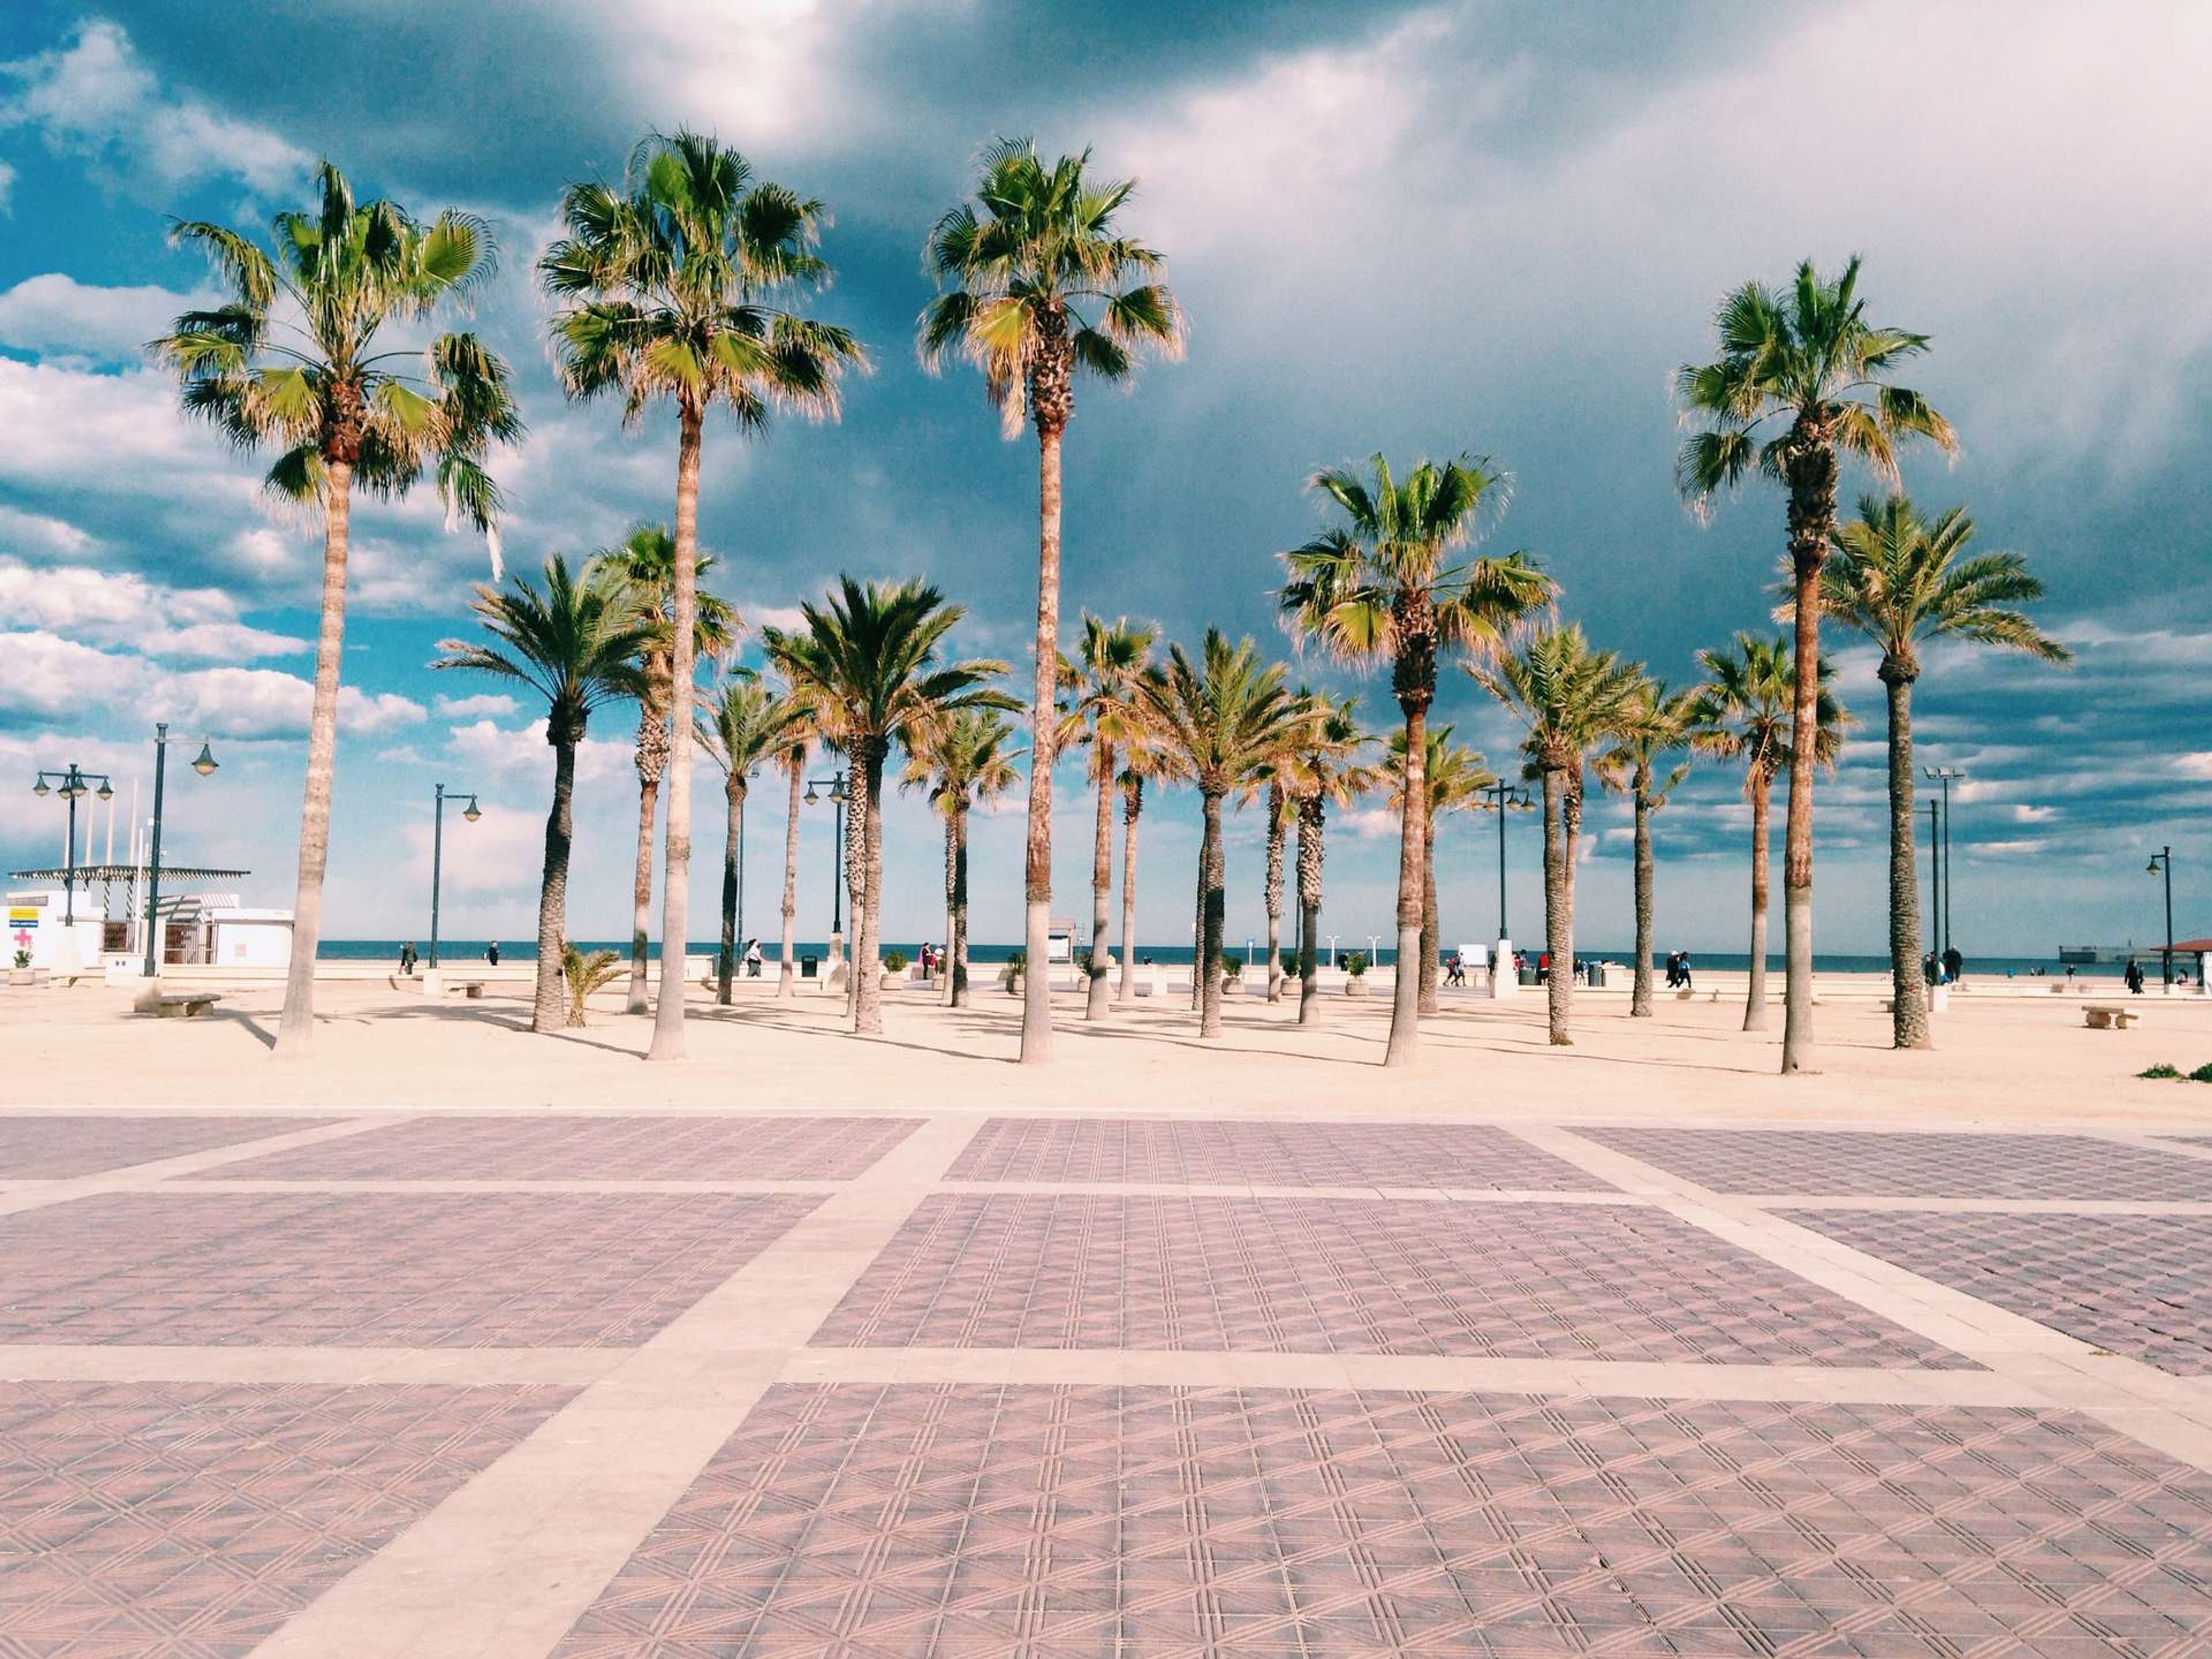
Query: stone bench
[2100,1017]
[177,1004]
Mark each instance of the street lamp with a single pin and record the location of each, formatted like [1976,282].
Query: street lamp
[438,857]
[73,782]
[1943,775]
[839,785]
[1934,880]
[204,764]
[1502,795]
[2163,859]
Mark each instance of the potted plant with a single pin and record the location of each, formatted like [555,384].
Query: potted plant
[1355,971]
[1232,976]
[1010,975]
[894,968]
[20,973]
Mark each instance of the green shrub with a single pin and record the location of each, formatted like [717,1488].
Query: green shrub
[1356,964]
[2161,1072]
[2202,1073]
[895,961]
[1231,967]
[1016,959]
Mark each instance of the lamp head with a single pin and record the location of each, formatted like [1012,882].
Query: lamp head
[107,790]
[2151,869]
[811,797]
[472,813]
[41,787]
[204,762]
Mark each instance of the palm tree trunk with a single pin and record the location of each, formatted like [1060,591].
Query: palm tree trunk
[1310,828]
[549,1006]
[1036,916]
[1133,803]
[1811,471]
[1909,1008]
[786,970]
[1431,928]
[856,855]
[959,957]
[952,885]
[1102,883]
[676,865]
[297,1025]
[727,958]
[641,896]
[1214,886]
[1559,906]
[867,974]
[1198,931]
[1278,833]
[1639,1000]
[1412,820]
[1754,1001]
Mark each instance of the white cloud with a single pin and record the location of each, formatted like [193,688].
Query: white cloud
[67,429]
[2195,765]
[508,750]
[7,184]
[2024,813]
[94,98]
[54,679]
[124,608]
[495,704]
[59,316]
[19,529]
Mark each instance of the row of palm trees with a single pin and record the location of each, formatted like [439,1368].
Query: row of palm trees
[680,284]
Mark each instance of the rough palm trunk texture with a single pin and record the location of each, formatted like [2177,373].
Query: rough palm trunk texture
[867,969]
[1754,1001]
[1414,815]
[1213,887]
[1097,990]
[1639,1000]
[1036,916]
[725,963]
[1311,823]
[297,1024]
[1558,903]
[1133,805]
[1432,923]
[959,957]
[676,863]
[786,970]
[549,1005]
[652,761]
[1908,1003]
[1811,468]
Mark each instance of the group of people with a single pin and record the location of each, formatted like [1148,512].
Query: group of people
[1946,970]
[1678,970]
[408,958]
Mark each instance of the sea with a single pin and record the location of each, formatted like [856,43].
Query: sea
[454,950]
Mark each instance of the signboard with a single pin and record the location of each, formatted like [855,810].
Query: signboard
[22,928]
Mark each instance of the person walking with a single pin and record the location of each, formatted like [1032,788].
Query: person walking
[1954,964]
[1684,966]
[753,958]
[408,958]
[492,953]
[2133,977]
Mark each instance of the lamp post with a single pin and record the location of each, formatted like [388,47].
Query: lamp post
[1934,881]
[1943,775]
[2163,859]
[1502,795]
[839,793]
[72,782]
[203,763]
[437,864]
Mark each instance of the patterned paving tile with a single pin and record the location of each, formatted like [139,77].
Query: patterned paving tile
[2134,1284]
[56,1146]
[375,1269]
[1060,1522]
[1876,1164]
[172,1521]
[1264,1154]
[1559,1281]
[573,1148]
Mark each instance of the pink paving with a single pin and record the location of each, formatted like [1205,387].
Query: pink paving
[59,1146]
[1876,1164]
[1548,1280]
[375,1269]
[1264,1154]
[174,1521]
[2134,1284]
[1063,1522]
[606,1148]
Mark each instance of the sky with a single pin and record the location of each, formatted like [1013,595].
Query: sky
[1421,229]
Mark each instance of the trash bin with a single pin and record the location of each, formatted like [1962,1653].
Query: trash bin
[806,966]
[1529,976]
[1597,972]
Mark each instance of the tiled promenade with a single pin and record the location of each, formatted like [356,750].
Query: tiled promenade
[694,1387]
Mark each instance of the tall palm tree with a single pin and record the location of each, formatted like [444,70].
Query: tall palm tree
[799,739]
[870,660]
[1571,698]
[961,762]
[666,286]
[1269,785]
[292,360]
[745,727]
[576,645]
[1103,710]
[648,553]
[1902,580]
[1380,589]
[1657,727]
[1220,720]
[1140,762]
[1746,711]
[1038,284]
[1801,381]
[1325,770]
[1456,776]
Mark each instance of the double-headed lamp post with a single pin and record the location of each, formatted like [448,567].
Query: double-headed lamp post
[1502,795]
[1945,776]
[471,812]
[839,785]
[72,782]
[204,762]
[2163,859]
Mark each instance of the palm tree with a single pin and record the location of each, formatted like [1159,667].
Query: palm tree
[1901,581]
[1657,725]
[1105,712]
[1015,283]
[1571,698]
[1139,762]
[1745,712]
[962,762]
[291,361]
[665,286]
[748,725]
[1456,776]
[1324,770]
[649,555]
[1381,590]
[584,977]
[870,659]
[1219,719]
[1808,362]
[799,739]
[576,645]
